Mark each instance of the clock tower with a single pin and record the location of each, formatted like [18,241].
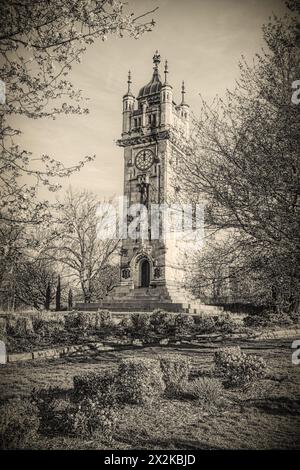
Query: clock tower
[153,138]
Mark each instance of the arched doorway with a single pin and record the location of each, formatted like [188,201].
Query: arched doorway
[145,273]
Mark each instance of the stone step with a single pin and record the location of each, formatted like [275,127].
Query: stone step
[150,305]
[132,306]
[142,296]
[144,299]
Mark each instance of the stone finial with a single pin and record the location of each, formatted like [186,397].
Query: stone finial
[156,59]
[129,82]
[166,71]
[182,93]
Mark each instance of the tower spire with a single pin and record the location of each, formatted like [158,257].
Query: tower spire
[166,71]
[156,62]
[182,93]
[129,82]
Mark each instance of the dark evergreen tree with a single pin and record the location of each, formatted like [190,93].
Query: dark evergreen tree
[70,299]
[48,296]
[58,295]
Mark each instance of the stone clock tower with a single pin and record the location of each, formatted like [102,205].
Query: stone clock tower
[153,135]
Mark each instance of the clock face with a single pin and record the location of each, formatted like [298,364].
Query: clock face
[144,159]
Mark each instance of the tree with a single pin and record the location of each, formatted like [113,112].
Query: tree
[40,41]
[74,243]
[70,299]
[105,280]
[58,295]
[34,284]
[244,161]
[48,297]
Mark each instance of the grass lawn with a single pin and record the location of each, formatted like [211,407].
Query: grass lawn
[267,416]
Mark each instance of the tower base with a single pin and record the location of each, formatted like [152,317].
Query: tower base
[147,299]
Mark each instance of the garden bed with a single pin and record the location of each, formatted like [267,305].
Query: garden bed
[272,407]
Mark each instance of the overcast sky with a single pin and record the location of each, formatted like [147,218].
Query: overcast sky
[203,41]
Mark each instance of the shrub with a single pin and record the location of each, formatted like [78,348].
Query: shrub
[71,320]
[2,329]
[47,328]
[103,386]
[90,419]
[208,391]
[257,320]
[225,323]
[140,380]
[175,369]
[205,324]
[19,423]
[86,321]
[162,323]
[269,318]
[100,320]
[184,324]
[104,320]
[295,316]
[237,368]
[140,325]
[87,415]
[19,326]
[124,327]
[53,409]
[221,357]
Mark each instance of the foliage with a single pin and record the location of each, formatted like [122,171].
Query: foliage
[243,160]
[124,327]
[82,320]
[48,328]
[85,321]
[19,423]
[48,297]
[53,408]
[105,319]
[205,324]
[35,282]
[3,328]
[269,319]
[101,386]
[40,42]
[162,323]
[90,412]
[90,419]
[58,296]
[184,324]
[140,325]
[207,390]
[97,401]
[225,323]
[70,299]
[140,380]
[20,326]
[74,242]
[238,369]
[175,369]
